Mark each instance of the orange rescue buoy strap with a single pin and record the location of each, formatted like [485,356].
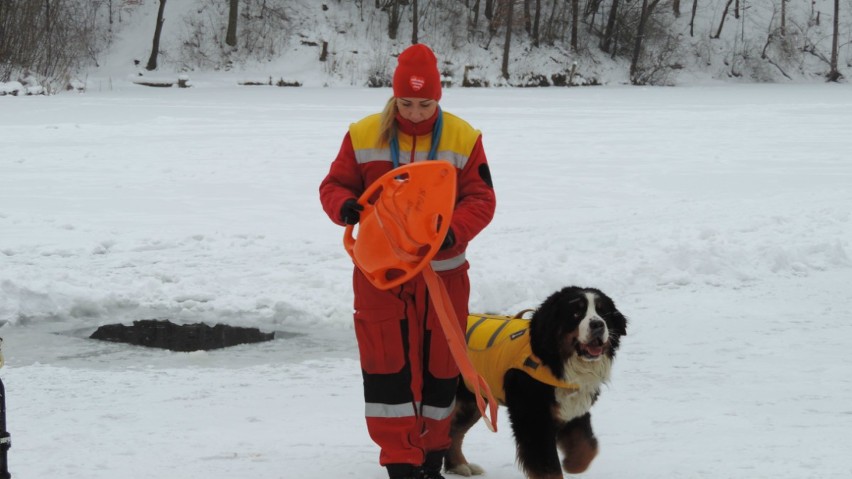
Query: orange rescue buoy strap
[458,348]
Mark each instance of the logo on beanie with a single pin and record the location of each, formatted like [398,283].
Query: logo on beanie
[416,82]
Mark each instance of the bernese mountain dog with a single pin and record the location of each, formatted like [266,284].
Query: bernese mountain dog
[548,384]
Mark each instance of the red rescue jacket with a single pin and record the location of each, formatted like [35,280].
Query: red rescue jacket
[361,160]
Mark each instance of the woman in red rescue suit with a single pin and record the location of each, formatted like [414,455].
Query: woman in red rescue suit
[409,376]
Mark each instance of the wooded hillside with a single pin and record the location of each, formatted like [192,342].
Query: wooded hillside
[480,42]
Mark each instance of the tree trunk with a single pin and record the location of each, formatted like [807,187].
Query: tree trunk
[676,8]
[783,18]
[155,49]
[3,53]
[575,23]
[550,29]
[475,13]
[591,9]
[492,12]
[393,20]
[637,46]
[722,22]
[414,22]
[692,19]
[527,18]
[510,8]
[835,75]
[610,26]
[324,53]
[47,31]
[231,36]
[6,50]
[536,22]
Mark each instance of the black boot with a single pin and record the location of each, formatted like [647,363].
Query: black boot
[402,471]
[432,465]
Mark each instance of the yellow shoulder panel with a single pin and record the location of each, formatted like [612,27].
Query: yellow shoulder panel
[365,132]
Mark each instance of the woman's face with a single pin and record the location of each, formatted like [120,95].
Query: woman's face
[416,110]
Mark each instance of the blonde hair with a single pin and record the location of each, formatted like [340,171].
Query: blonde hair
[387,123]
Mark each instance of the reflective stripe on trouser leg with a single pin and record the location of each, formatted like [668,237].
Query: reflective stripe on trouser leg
[409,391]
[388,367]
[439,398]
[391,408]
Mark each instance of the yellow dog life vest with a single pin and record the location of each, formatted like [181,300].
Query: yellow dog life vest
[496,344]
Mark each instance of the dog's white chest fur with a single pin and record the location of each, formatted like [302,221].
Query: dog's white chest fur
[589,375]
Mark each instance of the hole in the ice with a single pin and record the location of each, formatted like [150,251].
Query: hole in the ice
[164,334]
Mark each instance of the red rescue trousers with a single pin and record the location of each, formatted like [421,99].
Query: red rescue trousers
[410,377]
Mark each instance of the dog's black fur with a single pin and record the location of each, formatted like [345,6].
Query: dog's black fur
[577,339]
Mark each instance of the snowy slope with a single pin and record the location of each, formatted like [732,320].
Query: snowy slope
[288,46]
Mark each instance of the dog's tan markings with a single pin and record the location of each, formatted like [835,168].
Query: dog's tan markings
[567,345]
[578,450]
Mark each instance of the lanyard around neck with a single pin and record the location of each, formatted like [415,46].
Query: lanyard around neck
[433,148]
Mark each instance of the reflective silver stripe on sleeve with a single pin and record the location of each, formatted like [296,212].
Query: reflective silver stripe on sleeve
[438,413]
[374,409]
[367,155]
[458,160]
[448,264]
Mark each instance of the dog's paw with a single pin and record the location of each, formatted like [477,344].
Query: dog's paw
[466,470]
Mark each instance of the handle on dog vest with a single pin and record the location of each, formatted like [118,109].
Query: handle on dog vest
[455,339]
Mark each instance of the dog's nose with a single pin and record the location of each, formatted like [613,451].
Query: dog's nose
[597,327]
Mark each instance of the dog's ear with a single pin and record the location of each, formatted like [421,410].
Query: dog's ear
[620,322]
[616,320]
[546,325]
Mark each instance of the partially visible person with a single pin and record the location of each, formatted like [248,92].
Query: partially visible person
[409,375]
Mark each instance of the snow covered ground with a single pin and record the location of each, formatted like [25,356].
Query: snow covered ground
[719,218]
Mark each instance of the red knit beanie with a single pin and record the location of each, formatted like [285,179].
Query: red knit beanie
[416,75]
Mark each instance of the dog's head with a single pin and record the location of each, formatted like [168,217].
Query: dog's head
[576,323]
